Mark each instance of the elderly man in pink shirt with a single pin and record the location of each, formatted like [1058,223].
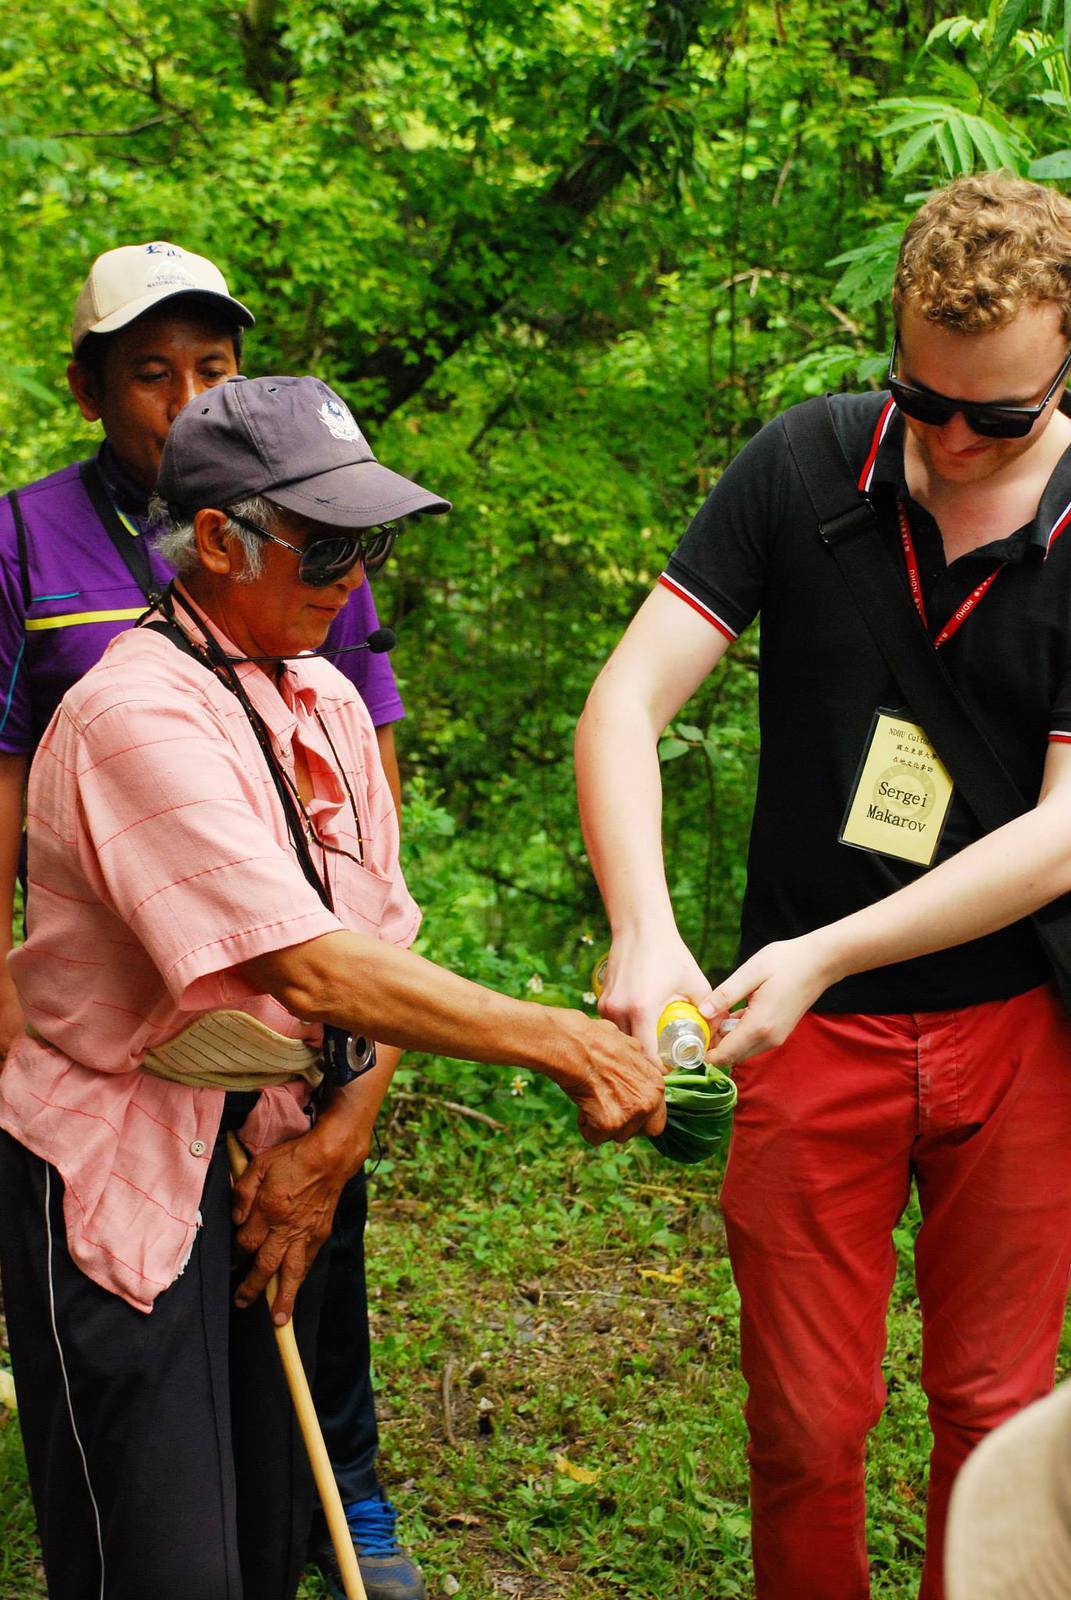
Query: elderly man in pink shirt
[217,922]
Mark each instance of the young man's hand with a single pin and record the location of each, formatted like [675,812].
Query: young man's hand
[779,982]
[642,976]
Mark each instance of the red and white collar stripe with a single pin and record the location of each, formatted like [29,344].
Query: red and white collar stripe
[1058,527]
[866,477]
[697,605]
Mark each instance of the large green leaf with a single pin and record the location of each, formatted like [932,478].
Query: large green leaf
[955,133]
[955,30]
[1051,168]
[31,385]
[868,268]
[913,149]
[1011,17]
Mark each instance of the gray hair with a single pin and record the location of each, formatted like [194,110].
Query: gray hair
[173,535]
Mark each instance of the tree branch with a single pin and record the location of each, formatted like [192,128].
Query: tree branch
[634,126]
[453,1106]
[120,133]
[267,64]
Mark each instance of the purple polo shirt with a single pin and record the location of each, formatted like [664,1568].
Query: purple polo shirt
[81,594]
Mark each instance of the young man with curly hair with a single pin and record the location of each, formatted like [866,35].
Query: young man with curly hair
[901,1023]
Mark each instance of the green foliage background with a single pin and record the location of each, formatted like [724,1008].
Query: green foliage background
[564,258]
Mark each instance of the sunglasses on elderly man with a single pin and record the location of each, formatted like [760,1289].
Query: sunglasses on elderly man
[325,561]
[991,421]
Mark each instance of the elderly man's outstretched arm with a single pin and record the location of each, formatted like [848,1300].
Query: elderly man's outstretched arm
[286,1200]
[367,986]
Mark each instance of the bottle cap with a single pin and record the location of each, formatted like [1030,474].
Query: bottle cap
[684,1011]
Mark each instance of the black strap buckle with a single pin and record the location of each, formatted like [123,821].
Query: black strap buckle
[846,524]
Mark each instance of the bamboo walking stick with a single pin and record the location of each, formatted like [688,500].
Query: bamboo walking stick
[309,1423]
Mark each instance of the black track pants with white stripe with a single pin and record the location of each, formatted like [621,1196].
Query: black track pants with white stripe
[163,1454]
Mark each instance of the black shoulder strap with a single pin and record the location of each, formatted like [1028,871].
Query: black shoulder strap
[20,542]
[134,552]
[849,528]
[172,630]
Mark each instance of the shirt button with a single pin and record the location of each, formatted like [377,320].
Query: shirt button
[198,1147]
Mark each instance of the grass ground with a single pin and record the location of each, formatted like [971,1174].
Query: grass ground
[555,1334]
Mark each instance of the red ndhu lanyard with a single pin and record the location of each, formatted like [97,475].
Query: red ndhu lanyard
[965,607]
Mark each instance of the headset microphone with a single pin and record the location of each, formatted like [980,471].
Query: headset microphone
[379,641]
[382,640]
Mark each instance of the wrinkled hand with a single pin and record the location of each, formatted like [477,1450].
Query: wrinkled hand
[615,1085]
[643,976]
[779,982]
[284,1206]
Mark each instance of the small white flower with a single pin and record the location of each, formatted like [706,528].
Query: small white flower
[518,1085]
[587,938]
[589,998]
[535,984]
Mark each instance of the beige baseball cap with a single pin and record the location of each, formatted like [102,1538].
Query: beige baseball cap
[125,283]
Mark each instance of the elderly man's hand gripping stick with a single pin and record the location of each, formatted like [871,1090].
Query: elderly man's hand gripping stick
[305,1411]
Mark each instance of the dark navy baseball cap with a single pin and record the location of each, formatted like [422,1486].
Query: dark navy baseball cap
[290,439]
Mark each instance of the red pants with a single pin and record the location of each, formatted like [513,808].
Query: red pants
[829,1131]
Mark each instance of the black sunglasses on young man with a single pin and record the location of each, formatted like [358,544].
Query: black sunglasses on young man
[991,421]
[324,561]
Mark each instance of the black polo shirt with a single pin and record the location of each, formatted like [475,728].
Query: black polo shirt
[754,548]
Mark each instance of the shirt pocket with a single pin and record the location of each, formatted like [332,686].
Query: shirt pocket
[360,893]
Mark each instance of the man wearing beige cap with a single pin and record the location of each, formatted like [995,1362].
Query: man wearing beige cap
[126,282]
[154,326]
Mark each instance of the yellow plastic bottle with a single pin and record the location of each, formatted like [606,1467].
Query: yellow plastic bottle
[683,1035]
[683,1031]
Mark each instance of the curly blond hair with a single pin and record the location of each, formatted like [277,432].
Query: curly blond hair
[980,250]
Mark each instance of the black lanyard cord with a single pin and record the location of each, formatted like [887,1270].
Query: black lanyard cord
[216,661]
[134,552]
[349,795]
[344,1058]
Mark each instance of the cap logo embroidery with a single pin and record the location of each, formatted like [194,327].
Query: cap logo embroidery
[337,420]
[162,276]
[162,250]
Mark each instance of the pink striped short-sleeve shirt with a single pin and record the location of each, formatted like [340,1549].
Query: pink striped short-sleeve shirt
[158,863]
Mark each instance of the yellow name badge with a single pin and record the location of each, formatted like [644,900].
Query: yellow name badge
[902,794]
